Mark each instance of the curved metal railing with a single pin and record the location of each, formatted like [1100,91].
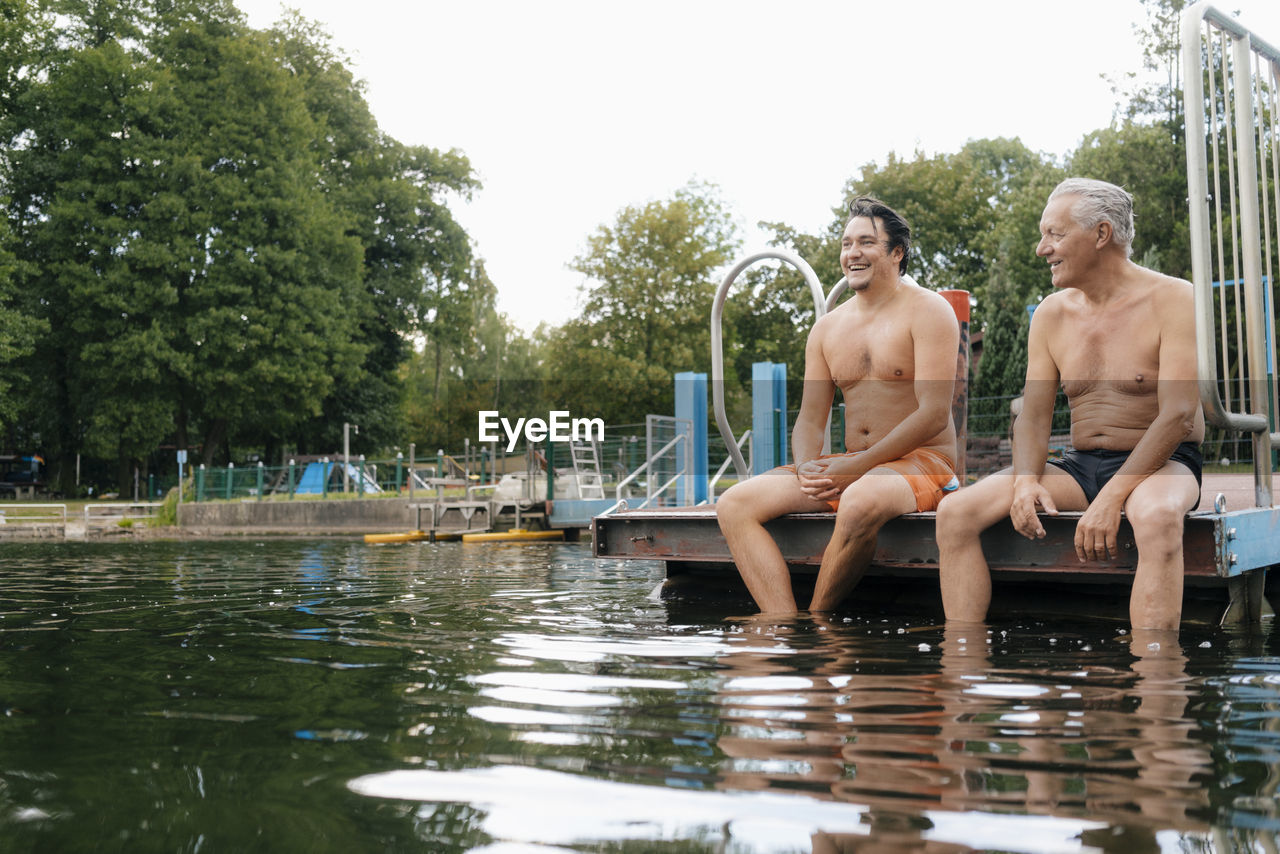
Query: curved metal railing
[1217,47]
[820,307]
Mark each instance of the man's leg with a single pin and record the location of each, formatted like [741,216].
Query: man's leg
[963,573]
[742,512]
[1156,509]
[865,505]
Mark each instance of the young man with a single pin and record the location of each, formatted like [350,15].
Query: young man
[1120,341]
[891,350]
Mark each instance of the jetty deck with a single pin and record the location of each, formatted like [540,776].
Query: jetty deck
[1223,548]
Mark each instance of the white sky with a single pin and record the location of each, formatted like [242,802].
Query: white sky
[570,110]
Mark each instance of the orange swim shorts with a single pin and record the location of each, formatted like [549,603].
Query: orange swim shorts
[929,473]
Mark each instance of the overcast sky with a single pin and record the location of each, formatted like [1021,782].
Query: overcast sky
[570,110]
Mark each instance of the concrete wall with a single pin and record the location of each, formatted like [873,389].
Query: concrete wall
[353,516]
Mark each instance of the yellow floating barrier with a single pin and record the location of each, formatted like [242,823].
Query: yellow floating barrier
[407,537]
[514,534]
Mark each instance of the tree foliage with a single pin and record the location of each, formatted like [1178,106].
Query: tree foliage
[647,303]
[225,247]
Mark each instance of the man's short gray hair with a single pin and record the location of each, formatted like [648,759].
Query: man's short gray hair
[1100,202]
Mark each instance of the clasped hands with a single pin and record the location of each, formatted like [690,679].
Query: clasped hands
[825,480]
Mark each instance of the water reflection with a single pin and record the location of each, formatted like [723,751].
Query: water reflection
[826,713]
[329,696]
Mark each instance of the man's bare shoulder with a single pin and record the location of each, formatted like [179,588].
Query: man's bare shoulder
[1054,304]
[922,299]
[831,319]
[1161,283]
[1167,297]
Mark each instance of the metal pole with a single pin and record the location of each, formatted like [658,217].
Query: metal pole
[346,455]
[1242,60]
[411,463]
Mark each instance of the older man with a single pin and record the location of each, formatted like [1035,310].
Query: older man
[1119,339]
[891,350]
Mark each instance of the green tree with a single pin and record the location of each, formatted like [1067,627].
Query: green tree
[650,284]
[169,204]
[418,273]
[1156,93]
[490,365]
[22,30]
[1149,162]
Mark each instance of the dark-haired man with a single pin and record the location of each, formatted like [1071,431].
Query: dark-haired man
[891,350]
[1119,340]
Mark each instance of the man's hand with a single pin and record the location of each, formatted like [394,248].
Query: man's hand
[1027,496]
[1097,531]
[825,480]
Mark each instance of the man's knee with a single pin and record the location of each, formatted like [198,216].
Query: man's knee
[732,506]
[863,511]
[1156,521]
[958,513]
[745,502]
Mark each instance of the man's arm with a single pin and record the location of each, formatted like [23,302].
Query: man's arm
[1033,425]
[815,400]
[1178,399]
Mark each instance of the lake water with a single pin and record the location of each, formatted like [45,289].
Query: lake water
[291,695]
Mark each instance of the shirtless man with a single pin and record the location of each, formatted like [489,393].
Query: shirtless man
[1120,340]
[891,350]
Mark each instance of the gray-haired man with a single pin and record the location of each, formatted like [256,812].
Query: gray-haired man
[1119,339]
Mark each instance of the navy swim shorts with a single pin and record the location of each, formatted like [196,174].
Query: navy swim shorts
[1092,469]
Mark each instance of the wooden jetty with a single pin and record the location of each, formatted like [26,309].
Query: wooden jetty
[1225,550]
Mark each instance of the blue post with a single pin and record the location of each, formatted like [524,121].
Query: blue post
[691,405]
[261,471]
[292,479]
[768,416]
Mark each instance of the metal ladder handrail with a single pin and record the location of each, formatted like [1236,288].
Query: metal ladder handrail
[711,487]
[1244,43]
[820,307]
[680,437]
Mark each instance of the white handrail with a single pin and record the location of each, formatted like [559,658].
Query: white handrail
[124,506]
[617,493]
[717,342]
[711,487]
[59,516]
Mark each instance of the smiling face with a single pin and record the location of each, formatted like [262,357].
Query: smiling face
[1069,248]
[865,255]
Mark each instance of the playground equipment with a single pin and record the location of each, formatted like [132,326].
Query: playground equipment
[362,479]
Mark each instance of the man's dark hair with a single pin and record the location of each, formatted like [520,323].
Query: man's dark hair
[896,229]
